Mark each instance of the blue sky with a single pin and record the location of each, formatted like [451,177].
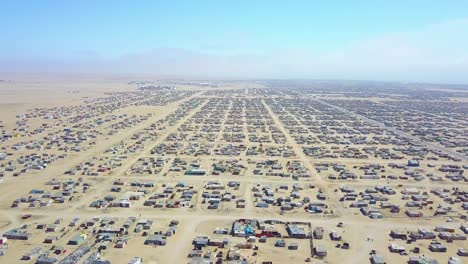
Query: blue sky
[388,40]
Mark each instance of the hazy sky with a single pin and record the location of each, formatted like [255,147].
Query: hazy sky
[408,40]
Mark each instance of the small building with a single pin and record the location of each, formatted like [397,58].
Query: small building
[421,260]
[120,244]
[200,241]
[318,232]
[436,247]
[454,260]
[59,250]
[396,249]
[51,228]
[171,231]
[464,228]
[413,213]
[31,254]
[280,243]
[413,163]
[377,259]
[462,252]
[16,234]
[76,240]
[50,239]
[154,239]
[296,231]
[195,253]
[426,233]
[216,242]
[398,234]
[104,245]
[135,260]
[46,260]
[320,251]
[335,236]
[195,172]
[293,246]
[240,204]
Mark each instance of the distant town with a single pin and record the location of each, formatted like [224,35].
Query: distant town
[201,172]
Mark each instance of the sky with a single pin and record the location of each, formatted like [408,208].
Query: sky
[398,40]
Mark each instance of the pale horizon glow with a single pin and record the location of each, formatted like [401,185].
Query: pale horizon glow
[367,40]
